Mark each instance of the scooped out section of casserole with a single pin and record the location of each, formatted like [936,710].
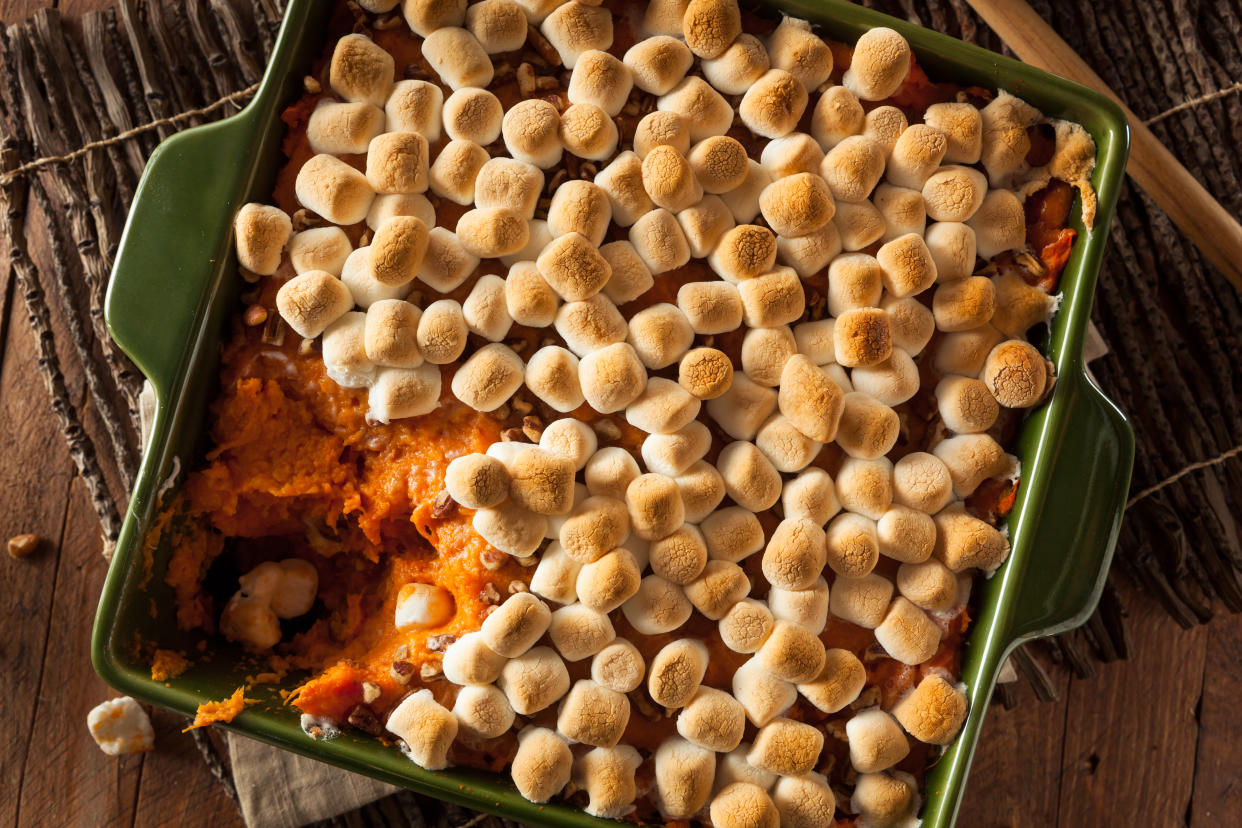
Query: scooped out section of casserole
[619,401]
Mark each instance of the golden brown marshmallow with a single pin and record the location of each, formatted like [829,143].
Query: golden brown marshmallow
[607,775]
[775,298]
[311,301]
[580,207]
[908,635]
[786,747]
[344,352]
[679,556]
[453,173]
[704,223]
[390,335]
[320,248]
[892,382]
[796,49]
[1006,143]
[612,377]
[866,486]
[360,70]
[744,805]
[852,546]
[853,167]
[952,247]
[862,601]
[838,683]
[442,332]
[773,105]
[663,408]
[343,128]
[529,299]
[965,542]
[854,281]
[876,741]
[593,715]
[885,124]
[556,576]
[792,154]
[660,335]
[764,695]
[576,28]
[261,232]
[661,128]
[659,606]
[683,777]
[489,377]
[676,672]
[600,79]
[880,64]
[498,25]
[707,373]
[609,582]
[804,801]
[472,114]
[929,585]
[630,277]
[534,680]
[907,265]
[868,428]
[704,110]
[622,181]
[791,653]
[746,625]
[903,212]
[743,407]
[962,126]
[1016,374]
[484,309]
[794,556]
[1019,305]
[837,115]
[807,608]
[477,481]
[469,661]
[415,106]
[717,588]
[510,528]
[922,481]
[862,337]
[885,799]
[810,254]
[859,224]
[702,489]
[797,204]
[657,64]
[719,163]
[915,156]
[659,241]
[385,207]
[999,224]
[591,324]
[458,58]
[427,729]
[750,478]
[906,534]
[713,720]
[812,495]
[425,16]
[328,186]
[743,252]
[619,666]
[532,133]
[971,459]
[710,26]
[491,232]
[735,69]
[954,193]
[664,17]
[966,405]
[609,472]
[710,307]
[785,446]
[587,131]
[542,764]
[482,712]
[396,253]
[669,179]
[673,453]
[764,353]
[573,266]
[541,481]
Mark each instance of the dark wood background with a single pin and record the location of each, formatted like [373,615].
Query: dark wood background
[1152,741]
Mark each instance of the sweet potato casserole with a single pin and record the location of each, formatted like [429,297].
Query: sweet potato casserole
[618,400]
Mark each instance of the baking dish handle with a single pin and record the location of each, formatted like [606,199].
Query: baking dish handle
[1077,522]
[175,245]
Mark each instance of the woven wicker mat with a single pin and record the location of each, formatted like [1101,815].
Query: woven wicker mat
[83,110]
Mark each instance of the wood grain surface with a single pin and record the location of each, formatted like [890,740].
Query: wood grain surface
[1152,741]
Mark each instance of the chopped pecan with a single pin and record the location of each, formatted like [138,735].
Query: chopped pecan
[306,346]
[526,80]
[370,691]
[443,505]
[438,643]
[388,21]
[312,85]
[607,429]
[402,652]
[489,594]
[518,586]
[364,719]
[532,427]
[402,671]
[430,671]
[513,435]
[23,545]
[545,49]
[492,559]
[274,331]
[304,219]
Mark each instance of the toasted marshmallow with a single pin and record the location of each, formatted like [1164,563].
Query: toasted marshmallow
[798,50]
[618,666]
[425,16]
[750,478]
[1019,305]
[593,715]
[659,606]
[427,729]
[575,29]
[852,545]
[396,253]
[810,399]
[580,207]
[811,495]
[1016,374]
[929,585]
[966,351]
[965,542]
[473,115]
[590,325]
[664,17]
[811,253]
[704,111]
[573,266]
[794,556]
[120,727]
[609,472]
[971,459]
[738,67]
[669,179]
[797,204]
[954,193]
[773,299]
[791,653]
[742,408]
[764,353]
[469,661]
[534,680]
[489,377]
[866,486]
[572,439]
[601,80]
[880,64]
[906,534]
[482,712]
[785,446]
[622,181]
[922,481]
[859,224]
[660,241]
[962,126]
[773,105]
[498,25]
[672,453]
[657,64]
[838,683]
[854,281]
[713,720]
[746,625]
[390,335]
[764,695]
[516,624]
[704,224]
[663,408]
[414,106]
[837,115]
[815,340]
[805,607]
[1005,142]
[702,488]
[999,224]
[714,307]
[892,381]
[532,133]
[744,805]
[556,576]
[386,207]
[876,741]
[908,268]
[868,428]
[904,212]
[933,712]
[915,156]
[885,124]
[743,201]
[710,26]
[706,373]
[492,232]
[343,128]
[453,173]
[594,528]
[320,248]
[541,481]
[588,132]
[862,601]
[538,10]
[485,309]
[786,747]
[328,186]
[743,252]
[719,163]
[676,672]
[804,801]
[630,277]
[952,247]
[261,232]
[529,299]
[311,301]
[661,129]
[655,506]
[718,587]
[360,70]
[907,634]
[732,534]
[609,582]
[458,58]
[542,764]
[853,167]
[966,405]
[612,377]
[344,351]
[442,332]
[683,776]
[884,799]
[607,775]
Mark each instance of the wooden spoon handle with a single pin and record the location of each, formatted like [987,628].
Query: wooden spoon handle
[1191,207]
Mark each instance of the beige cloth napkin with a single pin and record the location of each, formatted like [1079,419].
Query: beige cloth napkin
[281,789]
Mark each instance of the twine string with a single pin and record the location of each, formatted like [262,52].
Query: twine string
[1193,102]
[1176,476]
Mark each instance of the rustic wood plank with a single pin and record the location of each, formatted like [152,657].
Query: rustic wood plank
[1130,733]
[14,10]
[1217,795]
[176,787]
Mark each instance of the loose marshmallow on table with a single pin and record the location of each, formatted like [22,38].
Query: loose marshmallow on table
[120,726]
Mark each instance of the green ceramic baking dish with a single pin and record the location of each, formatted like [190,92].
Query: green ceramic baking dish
[175,283]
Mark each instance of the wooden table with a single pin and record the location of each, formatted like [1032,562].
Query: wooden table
[1154,741]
